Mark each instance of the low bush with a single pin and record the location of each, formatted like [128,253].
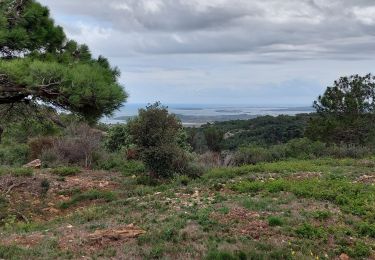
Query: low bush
[308,231]
[118,138]
[78,146]
[15,155]
[18,172]
[66,171]
[88,196]
[39,144]
[275,221]
[297,149]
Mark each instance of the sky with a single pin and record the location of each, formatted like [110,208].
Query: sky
[248,52]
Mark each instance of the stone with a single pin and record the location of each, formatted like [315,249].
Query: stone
[36,164]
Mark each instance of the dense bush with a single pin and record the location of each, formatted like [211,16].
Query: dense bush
[118,138]
[14,155]
[157,135]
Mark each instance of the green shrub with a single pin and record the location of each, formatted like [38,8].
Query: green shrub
[118,138]
[366,229]
[18,172]
[308,231]
[304,149]
[15,155]
[360,250]
[252,155]
[88,196]
[156,134]
[66,171]
[322,214]
[275,221]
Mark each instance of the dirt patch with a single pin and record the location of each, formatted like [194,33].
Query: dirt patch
[77,239]
[115,234]
[37,198]
[304,175]
[367,179]
[26,241]
[254,229]
[244,222]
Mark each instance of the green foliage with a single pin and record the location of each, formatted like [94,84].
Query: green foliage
[41,65]
[366,229]
[357,199]
[88,196]
[18,172]
[214,138]
[322,214]
[275,221]
[156,135]
[222,255]
[118,138]
[27,26]
[263,131]
[346,112]
[308,231]
[14,155]
[66,171]
[297,148]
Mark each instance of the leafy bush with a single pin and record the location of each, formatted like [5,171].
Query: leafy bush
[275,221]
[308,231]
[66,171]
[156,134]
[252,155]
[118,138]
[15,155]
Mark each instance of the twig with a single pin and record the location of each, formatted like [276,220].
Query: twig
[14,186]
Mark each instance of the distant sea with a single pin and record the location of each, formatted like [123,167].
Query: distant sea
[196,115]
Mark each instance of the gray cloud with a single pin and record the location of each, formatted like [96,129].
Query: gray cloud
[209,45]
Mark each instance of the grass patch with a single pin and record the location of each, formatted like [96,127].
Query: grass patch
[18,172]
[88,196]
[66,171]
[355,198]
[308,231]
[275,221]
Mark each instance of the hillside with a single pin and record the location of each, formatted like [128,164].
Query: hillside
[299,209]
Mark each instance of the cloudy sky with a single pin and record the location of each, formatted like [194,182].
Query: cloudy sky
[253,52]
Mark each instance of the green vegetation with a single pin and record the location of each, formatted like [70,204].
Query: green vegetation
[87,196]
[346,112]
[19,172]
[66,171]
[156,134]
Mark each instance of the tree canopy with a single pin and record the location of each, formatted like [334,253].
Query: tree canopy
[38,65]
[346,112]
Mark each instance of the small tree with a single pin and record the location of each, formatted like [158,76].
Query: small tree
[156,133]
[214,138]
[346,112]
